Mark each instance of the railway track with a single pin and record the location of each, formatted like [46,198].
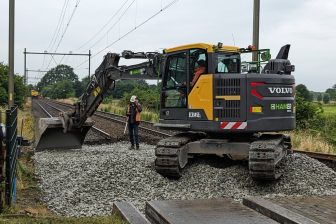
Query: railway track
[318,155]
[148,127]
[48,113]
[145,125]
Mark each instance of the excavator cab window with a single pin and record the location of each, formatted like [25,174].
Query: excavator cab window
[174,84]
[227,63]
[197,65]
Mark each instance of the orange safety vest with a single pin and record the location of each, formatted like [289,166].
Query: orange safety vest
[137,113]
[200,70]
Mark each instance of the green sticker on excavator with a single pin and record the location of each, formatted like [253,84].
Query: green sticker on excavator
[135,72]
[281,106]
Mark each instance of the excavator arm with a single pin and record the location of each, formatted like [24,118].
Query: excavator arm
[73,126]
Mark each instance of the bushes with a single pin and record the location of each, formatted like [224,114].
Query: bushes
[20,90]
[60,90]
[149,98]
[325,125]
[310,118]
[307,113]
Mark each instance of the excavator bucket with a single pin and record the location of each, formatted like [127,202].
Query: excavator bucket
[51,135]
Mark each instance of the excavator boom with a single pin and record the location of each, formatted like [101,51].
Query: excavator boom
[70,128]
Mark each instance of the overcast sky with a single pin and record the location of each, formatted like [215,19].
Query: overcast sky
[308,25]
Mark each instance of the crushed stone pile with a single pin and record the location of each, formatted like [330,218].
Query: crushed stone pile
[86,182]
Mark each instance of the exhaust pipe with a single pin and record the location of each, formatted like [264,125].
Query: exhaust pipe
[51,134]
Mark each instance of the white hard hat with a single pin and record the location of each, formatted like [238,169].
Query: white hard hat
[132,100]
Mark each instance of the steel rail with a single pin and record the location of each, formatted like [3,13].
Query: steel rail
[45,110]
[102,112]
[108,116]
[318,155]
[105,134]
[140,127]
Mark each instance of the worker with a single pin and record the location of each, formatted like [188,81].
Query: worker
[200,69]
[133,116]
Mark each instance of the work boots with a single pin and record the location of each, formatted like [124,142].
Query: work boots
[132,147]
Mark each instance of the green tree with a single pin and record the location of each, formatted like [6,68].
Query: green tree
[326,98]
[78,88]
[303,92]
[60,90]
[63,89]
[3,96]
[47,91]
[306,112]
[332,93]
[319,97]
[60,82]
[57,74]
[84,84]
[149,98]
[20,90]
[125,86]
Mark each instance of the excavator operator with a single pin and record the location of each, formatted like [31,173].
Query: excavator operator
[200,69]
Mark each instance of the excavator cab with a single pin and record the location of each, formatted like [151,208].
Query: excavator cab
[230,95]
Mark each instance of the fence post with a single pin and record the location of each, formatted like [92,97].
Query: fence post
[11,155]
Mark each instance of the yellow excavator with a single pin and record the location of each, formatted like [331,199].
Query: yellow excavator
[233,108]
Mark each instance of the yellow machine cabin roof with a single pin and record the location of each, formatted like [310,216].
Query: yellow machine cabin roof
[208,47]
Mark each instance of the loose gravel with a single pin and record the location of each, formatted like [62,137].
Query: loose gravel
[86,182]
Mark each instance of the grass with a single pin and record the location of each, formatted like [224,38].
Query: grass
[25,120]
[305,141]
[113,107]
[329,109]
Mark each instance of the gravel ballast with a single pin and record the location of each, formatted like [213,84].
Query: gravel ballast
[86,182]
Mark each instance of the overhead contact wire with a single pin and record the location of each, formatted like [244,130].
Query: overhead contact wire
[103,27]
[66,28]
[117,22]
[130,31]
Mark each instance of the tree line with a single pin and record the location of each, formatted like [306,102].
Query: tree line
[310,116]
[61,82]
[20,89]
[325,97]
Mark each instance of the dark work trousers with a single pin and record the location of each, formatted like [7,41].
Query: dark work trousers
[133,133]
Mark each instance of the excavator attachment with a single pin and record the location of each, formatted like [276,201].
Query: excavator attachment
[52,135]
